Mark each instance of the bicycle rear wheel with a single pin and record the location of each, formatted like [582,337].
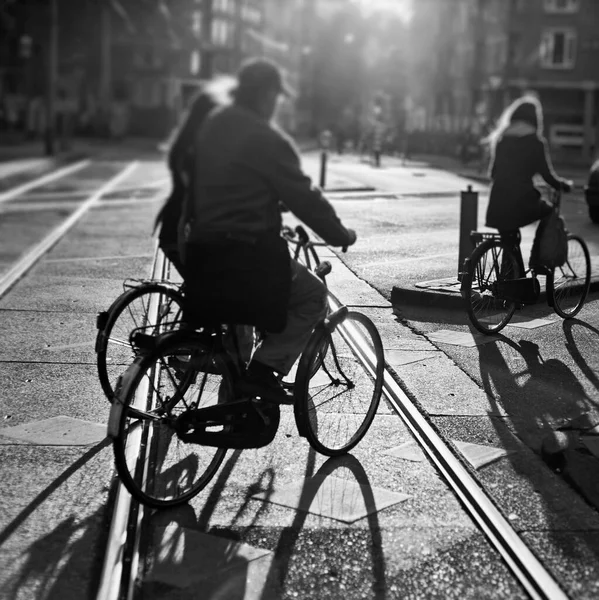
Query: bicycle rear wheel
[154,464]
[572,280]
[153,306]
[339,384]
[490,264]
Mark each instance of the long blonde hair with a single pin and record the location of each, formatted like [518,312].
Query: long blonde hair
[526,109]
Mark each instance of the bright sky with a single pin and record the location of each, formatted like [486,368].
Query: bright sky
[402,8]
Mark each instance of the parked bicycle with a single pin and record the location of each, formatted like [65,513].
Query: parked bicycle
[493,286]
[176,412]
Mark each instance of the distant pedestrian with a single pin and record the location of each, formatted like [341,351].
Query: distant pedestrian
[378,140]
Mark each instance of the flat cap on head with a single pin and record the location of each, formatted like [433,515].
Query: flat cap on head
[262,74]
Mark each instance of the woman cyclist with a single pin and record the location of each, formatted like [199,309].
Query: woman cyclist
[518,153]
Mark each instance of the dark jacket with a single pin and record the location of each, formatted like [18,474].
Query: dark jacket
[245,167]
[237,267]
[519,155]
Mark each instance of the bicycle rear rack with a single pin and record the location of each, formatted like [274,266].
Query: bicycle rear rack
[477,237]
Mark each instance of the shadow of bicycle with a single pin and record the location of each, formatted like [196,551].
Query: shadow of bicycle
[223,563]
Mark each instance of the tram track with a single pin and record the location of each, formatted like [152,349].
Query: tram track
[525,566]
[122,560]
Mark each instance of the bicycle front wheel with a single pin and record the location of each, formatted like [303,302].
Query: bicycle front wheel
[339,384]
[572,280]
[156,466]
[490,264]
[153,306]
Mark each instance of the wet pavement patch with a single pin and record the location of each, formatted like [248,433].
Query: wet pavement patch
[477,455]
[333,497]
[407,451]
[461,338]
[183,557]
[528,323]
[57,431]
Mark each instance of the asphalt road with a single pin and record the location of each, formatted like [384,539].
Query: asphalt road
[379,524]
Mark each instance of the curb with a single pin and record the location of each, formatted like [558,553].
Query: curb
[413,296]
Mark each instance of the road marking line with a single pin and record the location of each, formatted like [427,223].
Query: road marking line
[21,189]
[14,274]
[85,258]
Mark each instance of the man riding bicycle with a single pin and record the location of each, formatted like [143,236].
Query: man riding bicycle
[237,267]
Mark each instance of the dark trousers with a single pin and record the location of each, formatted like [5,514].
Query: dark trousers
[511,239]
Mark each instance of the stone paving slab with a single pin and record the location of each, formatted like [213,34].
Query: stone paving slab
[57,431]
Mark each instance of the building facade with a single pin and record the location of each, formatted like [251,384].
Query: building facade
[553,51]
[479,55]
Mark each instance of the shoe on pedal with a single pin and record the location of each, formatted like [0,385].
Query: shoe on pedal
[260,381]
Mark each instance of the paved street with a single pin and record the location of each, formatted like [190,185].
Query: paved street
[283,521]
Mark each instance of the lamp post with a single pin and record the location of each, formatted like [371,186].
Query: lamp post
[52,79]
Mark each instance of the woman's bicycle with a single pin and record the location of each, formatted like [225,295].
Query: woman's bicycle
[493,286]
[156,305]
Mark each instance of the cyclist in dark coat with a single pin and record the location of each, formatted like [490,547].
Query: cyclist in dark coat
[518,153]
[237,267]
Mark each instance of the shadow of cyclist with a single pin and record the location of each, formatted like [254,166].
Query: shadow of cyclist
[582,341]
[540,400]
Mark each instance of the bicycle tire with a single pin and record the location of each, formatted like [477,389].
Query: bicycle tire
[154,464]
[335,415]
[128,312]
[489,263]
[569,292]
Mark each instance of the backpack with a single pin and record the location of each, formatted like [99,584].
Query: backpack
[550,246]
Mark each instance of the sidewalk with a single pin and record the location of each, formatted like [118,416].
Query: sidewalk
[478,172]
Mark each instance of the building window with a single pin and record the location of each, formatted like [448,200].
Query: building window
[562,6]
[558,49]
[195,62]
[219,32]
[196,24]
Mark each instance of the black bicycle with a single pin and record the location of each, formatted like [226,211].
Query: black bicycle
[156,305]
[177,409]
[493,286]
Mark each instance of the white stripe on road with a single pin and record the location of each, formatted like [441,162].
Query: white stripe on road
[110,257]
[397,261]
[39,181]
[38,251]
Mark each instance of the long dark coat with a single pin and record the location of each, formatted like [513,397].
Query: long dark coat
[519,155]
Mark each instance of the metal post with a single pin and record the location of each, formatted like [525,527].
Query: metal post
[323,168]
[325,140]
[468,223]
[51,81]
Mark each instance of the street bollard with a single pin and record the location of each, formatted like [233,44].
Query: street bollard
[325,142]
[323,168]
[468,223]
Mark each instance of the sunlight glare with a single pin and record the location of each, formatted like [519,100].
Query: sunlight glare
[400,8]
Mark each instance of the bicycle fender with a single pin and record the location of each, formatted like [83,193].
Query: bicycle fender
[120,393]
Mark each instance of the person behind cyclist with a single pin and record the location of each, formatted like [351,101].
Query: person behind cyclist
[237,267]
[518,153]
[180,164]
